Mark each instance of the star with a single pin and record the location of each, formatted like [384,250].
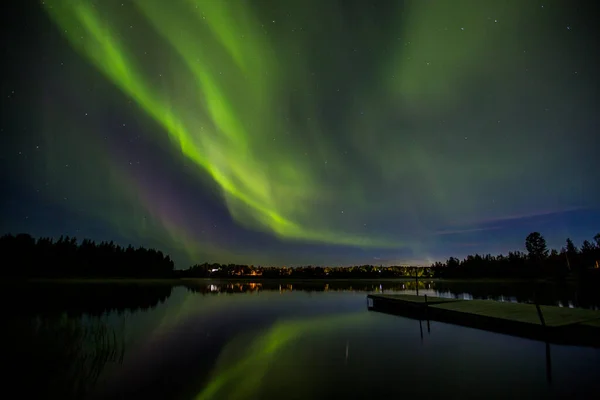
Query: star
[266,100]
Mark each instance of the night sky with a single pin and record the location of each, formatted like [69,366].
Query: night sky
[301,131]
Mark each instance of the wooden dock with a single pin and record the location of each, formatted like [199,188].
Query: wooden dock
[574,326]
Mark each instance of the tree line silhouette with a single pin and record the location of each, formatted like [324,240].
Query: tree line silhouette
[581,262]
[67,258]
[216,270]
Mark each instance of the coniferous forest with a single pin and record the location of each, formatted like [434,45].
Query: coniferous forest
[27,257]
[67,258]
[538,262]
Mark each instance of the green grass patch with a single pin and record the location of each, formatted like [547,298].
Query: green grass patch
[525,313]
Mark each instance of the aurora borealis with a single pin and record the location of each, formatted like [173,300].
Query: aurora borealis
[302,131]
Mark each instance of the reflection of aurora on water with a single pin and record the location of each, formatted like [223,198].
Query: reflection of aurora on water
[319,344]
[241,377]
[221,346]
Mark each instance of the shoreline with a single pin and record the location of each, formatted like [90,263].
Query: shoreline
[180,281]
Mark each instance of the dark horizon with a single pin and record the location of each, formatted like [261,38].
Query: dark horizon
[69,257]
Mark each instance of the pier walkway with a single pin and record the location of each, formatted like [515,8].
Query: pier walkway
[562,325]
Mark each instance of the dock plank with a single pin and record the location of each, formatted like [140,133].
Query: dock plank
[414,299]
[595,323]
[563,325]
[524,313]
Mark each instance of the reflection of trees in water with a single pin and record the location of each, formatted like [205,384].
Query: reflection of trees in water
[523,292]
[86,298]
[216,287]
[61,354]
[58,340]
[288,286]
[58,356]
[566,295]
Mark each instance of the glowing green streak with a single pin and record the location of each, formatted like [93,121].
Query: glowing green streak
[245,376]
[272,191]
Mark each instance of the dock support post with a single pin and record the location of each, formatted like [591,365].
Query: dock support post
[548,364]
[417,280]
[427,315]
[539,311]
[548,357]
[421,329]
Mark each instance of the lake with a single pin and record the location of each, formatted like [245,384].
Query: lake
[272,340]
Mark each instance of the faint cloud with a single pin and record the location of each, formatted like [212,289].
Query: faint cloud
[506,218]
[470,230]
[474,244]
[531,215]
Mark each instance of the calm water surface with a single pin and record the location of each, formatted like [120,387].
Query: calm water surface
[213,340]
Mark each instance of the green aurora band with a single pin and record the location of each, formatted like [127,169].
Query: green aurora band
[216,115]
[266,106]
